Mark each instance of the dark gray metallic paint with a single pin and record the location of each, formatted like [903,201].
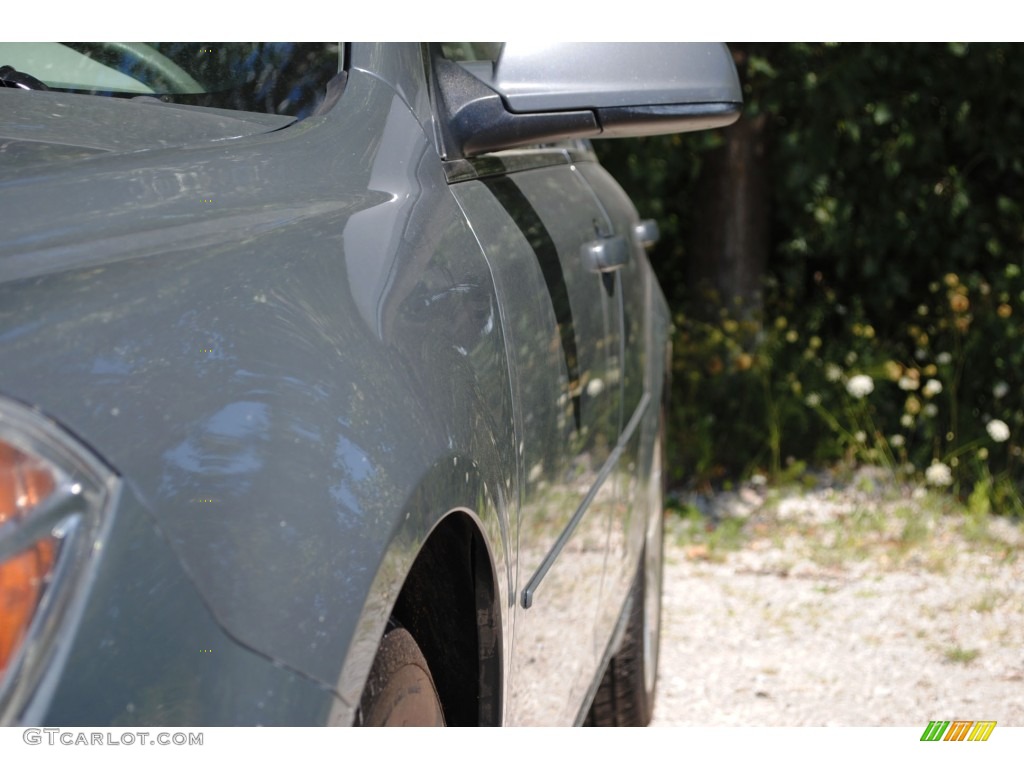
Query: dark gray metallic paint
[302,350]
[256,367]
[51,121]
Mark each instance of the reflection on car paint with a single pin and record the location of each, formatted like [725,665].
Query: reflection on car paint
[515,202]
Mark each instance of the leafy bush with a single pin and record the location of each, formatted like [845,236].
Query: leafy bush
[896,259]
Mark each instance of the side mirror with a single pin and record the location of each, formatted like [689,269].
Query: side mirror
[545,92]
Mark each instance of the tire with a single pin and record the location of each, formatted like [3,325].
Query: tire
[625,696]
[400,690]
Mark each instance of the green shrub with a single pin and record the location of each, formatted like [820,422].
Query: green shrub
[897,247]
[753,395]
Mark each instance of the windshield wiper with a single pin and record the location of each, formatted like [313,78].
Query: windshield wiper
[12,78]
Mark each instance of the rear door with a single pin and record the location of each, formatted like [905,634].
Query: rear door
[632,472]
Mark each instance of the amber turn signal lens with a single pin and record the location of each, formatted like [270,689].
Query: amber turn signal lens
[25,481]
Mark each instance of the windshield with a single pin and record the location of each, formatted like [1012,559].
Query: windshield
[273,78]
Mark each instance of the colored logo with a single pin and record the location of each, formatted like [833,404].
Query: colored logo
[958,730]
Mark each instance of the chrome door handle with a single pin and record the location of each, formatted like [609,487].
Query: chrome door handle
[605,255]
[646,233]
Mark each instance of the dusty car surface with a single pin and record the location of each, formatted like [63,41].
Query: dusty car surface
[331,381]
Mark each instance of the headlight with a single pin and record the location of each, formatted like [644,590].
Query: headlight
[54,498]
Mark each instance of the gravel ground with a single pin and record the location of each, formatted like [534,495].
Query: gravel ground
[859,606]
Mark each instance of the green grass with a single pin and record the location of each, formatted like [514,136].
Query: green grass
[987,602]
[717,538]
[957,655]
[929,531]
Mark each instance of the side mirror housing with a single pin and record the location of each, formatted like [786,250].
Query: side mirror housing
[545,92]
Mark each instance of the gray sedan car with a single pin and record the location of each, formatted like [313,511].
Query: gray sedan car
[332,381]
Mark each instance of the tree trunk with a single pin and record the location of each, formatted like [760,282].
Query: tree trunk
[728,249]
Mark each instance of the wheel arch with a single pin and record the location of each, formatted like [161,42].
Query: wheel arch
[445,579]
[448,605]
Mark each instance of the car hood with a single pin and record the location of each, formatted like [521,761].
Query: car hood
[38,128]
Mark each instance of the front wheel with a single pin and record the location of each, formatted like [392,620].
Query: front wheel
[400,690]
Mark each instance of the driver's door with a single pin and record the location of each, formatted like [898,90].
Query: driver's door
[540,225]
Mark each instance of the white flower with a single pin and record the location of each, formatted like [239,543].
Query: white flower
[944,358]
[907,384]
[907,420]
[833,372]
[931,409]
[938,474]
[897,441]
[860,436]
[860,386]
[1000,389]
[998,430]
[932,387]
[813,400]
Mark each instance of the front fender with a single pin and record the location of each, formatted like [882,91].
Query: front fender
[275,396]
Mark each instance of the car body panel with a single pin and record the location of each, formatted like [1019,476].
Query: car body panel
[49,127]
[260,381]
[557,318]
[149,653]
[305,351]
[645,322]
[403,68]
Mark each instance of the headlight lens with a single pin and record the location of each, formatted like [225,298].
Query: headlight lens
[54,499]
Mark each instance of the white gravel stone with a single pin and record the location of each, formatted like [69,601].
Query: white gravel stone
[767,635]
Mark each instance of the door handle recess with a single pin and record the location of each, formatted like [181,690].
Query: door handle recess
[605,255]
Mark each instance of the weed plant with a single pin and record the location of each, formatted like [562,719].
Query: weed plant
[938,401]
